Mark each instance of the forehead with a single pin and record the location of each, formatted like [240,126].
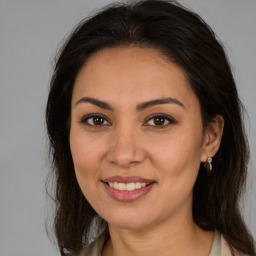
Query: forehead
[130,72]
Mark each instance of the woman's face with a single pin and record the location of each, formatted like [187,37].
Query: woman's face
[136,137]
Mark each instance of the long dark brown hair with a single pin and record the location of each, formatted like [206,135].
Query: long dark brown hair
[188,41]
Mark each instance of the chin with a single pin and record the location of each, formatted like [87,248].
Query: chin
[129,221]
[128,225]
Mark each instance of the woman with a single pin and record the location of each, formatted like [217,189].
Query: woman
[147,139]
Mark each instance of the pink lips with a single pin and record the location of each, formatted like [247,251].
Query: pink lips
[128,196]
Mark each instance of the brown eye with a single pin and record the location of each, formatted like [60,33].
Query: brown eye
[95,120]
[160,121]
[98,120]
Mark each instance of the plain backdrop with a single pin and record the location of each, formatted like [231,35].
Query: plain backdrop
[30,33]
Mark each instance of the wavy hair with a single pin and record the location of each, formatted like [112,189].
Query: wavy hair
[188,41]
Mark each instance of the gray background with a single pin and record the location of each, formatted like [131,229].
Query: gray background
[30,31]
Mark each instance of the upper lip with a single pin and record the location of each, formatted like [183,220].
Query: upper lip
[129,179]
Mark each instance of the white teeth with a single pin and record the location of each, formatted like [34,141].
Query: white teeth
[137,185]
[116,185]
[127,187]
[130,186]
[122,186]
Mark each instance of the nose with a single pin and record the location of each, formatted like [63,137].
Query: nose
[126,149]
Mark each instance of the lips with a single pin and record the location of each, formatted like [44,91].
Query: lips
[127,189]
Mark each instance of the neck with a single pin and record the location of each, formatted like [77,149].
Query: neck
[170,237]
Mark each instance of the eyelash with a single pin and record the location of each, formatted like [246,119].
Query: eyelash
[170,120]
[165,117]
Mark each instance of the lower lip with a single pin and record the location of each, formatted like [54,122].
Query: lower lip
[128,196]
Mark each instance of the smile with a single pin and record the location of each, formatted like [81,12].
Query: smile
[127,189]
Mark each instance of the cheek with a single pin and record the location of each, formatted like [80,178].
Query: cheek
[86,153]
[86,158]
[178,152]
[177,161]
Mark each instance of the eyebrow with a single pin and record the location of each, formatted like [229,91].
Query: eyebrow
[139,107]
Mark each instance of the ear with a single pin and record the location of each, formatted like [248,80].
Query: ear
[212,138]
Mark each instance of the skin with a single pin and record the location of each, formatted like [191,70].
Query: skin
[130,143]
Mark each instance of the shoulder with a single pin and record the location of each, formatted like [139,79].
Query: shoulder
[93,249]
[226,250]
